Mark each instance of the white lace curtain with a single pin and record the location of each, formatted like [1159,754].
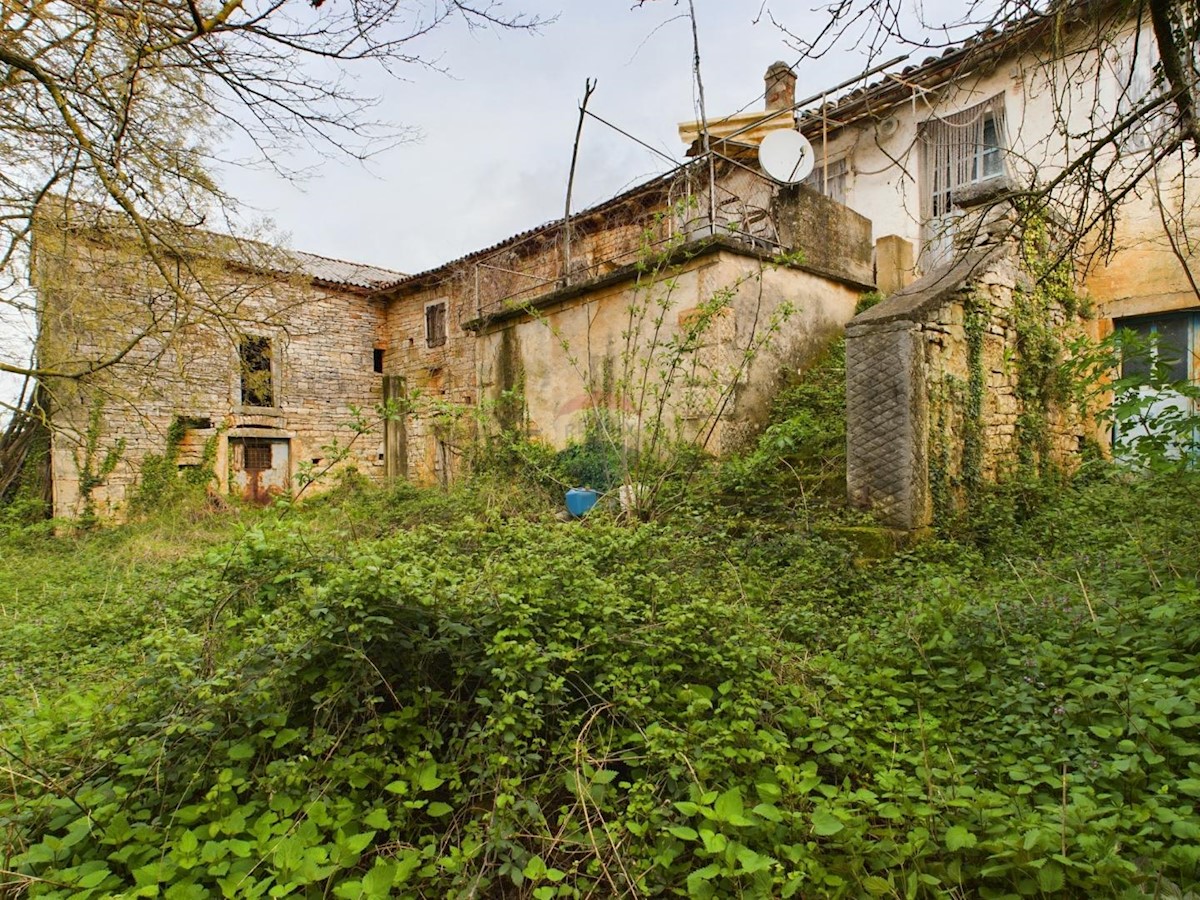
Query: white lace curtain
[960,149]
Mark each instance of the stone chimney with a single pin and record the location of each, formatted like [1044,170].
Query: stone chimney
[781,86]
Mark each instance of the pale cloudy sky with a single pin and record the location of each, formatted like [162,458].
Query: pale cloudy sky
[498,127]
[498,123]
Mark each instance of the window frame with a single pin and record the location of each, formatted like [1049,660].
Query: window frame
[1148,327]
[824,176]
[958,150]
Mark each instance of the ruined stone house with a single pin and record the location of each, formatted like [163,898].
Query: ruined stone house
[725,277]
[251,366]
[915,191]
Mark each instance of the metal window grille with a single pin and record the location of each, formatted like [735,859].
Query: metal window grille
[257,455]
[956,150]
[829,178]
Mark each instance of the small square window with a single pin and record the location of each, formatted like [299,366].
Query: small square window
[435,324]
[257,456]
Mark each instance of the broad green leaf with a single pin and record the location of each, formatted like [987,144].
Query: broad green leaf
[356,843]
[377,884]
[377,819]
[427,777]
[876,886]
[959,837]
[535,868]
[241,750]
[729,804]
[1189,786]
[826,823]
[1050,878]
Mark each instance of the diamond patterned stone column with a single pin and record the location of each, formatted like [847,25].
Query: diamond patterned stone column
[887,470]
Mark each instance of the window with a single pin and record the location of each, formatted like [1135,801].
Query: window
[829,178]
[1135,71]
[377,361]
[1163,345]
[255,356]
[956,151]
[435,324]
[1160,356]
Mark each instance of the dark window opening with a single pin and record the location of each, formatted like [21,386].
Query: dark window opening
[195,423]
[378,361]
[1159,352]
[255,355]
[258,455]
[435,325]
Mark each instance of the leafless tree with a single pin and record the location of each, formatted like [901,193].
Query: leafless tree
[1082,48]
[110,112]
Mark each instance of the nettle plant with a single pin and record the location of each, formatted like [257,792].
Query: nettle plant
[657,406]
[1132,381]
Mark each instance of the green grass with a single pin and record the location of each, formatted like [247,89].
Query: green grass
[423,693]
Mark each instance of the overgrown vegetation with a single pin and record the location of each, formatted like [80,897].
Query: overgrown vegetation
[450,693]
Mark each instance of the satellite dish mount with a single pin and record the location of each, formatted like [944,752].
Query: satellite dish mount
[786,156]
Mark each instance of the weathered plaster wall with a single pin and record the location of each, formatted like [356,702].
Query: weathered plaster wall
[610,252]
[1079,84]
[939,392]
[187,364]
[590,351]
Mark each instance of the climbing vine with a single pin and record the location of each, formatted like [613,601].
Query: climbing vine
[161,475]
[94,469]
[975,318]
[947,395]
[1038,311]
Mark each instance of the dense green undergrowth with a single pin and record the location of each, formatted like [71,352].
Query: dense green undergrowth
[431,694]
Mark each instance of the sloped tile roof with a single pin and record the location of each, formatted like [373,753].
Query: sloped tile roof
[989,44]
[340,272]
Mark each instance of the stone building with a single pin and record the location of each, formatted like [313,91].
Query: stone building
[944,158]
[249,361]
[564,321]
[919,190]
[672,310]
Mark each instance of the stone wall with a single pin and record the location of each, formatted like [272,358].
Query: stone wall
[439,382]
[518,325]
[604,349]
[953,383]
[177,358]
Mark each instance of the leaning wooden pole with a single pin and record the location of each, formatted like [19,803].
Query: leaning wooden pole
[589,86]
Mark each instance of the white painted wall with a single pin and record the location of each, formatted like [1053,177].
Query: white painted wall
[1058,102]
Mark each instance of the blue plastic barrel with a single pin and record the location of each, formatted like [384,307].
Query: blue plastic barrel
[580,500]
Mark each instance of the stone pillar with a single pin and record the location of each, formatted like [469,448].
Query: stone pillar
[895,264]
[887,467]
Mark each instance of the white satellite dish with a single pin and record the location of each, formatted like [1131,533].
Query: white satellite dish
[786,156]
